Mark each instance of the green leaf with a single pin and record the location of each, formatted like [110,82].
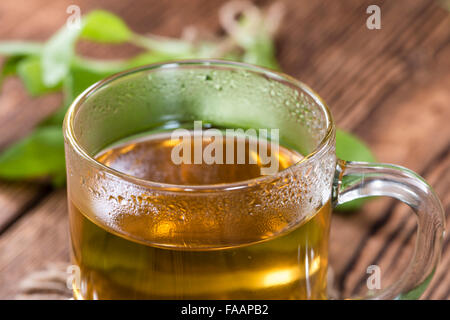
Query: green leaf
[261,52]
[85,72]
[30,72]
[38,155]
[56,118]
[57,55]
[14,48]
[59,179]
[162,45]
[350,148]
[16,51]
[82,75]
[417,292]
[9,67]
[152,57]
[103,26]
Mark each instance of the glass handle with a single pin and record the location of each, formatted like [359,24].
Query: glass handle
[356,180]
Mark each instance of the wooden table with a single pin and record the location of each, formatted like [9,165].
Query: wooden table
[391,87]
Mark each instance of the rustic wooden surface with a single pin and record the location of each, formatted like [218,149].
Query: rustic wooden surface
[390,86]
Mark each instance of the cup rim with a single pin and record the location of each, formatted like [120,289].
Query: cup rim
[70,138]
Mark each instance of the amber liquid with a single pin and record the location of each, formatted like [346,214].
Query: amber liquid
[263,264]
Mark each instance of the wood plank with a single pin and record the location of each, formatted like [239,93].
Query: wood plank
[356,68]
[408,129]
[390,86]
[19,113]
[391,249]
[439,177]
[16,199]
[34,241]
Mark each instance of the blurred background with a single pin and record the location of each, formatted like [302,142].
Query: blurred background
[388,86]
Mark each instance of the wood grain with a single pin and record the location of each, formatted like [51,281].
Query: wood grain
[389,86]
[16,199]
[34,241]
[385,132]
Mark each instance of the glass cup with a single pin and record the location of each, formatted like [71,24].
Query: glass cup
[262,238]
